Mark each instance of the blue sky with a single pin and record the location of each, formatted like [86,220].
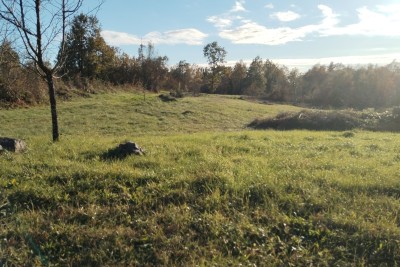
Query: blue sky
[294,33]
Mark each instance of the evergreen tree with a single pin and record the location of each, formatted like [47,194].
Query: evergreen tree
[87,54]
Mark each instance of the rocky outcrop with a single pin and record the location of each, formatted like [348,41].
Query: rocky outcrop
[12,144]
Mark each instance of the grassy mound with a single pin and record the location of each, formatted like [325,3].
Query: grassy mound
[321,120]
[311,120]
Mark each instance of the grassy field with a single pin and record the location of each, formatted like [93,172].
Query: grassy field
[207,192]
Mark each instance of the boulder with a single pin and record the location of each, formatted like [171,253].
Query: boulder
[12,144]
[1,149]
[124,150]
[130,148]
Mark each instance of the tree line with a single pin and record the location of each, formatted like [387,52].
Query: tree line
[87,58]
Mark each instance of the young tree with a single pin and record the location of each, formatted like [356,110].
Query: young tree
[215,55]
[41,26]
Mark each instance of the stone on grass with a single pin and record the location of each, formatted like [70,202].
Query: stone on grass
[12,144]
[124,150]
[130,148]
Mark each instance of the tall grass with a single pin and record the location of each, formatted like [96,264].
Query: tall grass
[202,195]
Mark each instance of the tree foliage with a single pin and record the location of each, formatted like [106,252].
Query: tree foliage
[18,84]
[153,68]
[87,54]
[215,55]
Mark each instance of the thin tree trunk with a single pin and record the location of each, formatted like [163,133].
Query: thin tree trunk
[53,106]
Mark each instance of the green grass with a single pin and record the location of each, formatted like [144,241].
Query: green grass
[208,191]
[124,114]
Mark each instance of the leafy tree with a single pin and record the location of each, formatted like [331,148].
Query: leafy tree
[153,68]
[126,70]
[225,84]
[215,55]
[18,84]
[277,85]
[238,78]
[40,26]
[197,75]
[181,73]
[10,70]
[312,81]
[255,79]
[87,54]
[294,80]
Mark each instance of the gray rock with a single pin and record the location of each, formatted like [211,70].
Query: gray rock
[12,144]
[123,150]
[1,149]
[130,148]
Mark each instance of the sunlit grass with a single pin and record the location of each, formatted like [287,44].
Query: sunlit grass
[207,191]
[125,114]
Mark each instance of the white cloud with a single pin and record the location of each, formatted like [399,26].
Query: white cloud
[220,22]
[238,7]
[253,33]
[382,20]
[269,6]
[181,36]
[285,16]
[250,32]
[120,38]
[226,20]
[330,19]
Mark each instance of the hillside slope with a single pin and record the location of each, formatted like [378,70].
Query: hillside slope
[124,114]
[206,192]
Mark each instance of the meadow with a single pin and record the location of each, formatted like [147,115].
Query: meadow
[208,192]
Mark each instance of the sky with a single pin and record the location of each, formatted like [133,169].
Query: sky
[289,32]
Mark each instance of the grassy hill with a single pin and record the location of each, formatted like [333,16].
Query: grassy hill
[207,192]
[123,114]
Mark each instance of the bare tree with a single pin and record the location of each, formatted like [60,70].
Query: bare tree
[41,26]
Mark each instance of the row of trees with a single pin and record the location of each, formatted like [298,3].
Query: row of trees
[335,85]
[88,57]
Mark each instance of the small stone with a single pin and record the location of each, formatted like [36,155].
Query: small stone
[12,144]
